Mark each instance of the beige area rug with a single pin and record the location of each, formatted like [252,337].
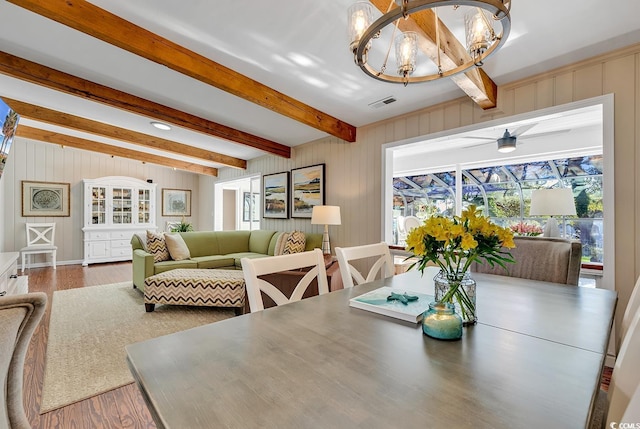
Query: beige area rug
[88,331]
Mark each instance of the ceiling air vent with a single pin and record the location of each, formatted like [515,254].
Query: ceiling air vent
[381,103]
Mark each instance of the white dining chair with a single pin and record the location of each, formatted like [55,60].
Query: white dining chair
[254,268]
[632,412]
[40,239]
[383,266]
[630,310]
[625,377]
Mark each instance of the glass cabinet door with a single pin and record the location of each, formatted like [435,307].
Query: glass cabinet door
[98,205]
[122,205]
[144,206]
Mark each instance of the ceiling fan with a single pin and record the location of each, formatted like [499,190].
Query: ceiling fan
[507,143]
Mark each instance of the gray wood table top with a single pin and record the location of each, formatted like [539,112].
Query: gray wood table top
[530,362]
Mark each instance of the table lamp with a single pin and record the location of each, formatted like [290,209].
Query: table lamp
[326,215]
[552,202]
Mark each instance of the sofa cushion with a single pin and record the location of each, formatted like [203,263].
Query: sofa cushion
[259,241]
[314,241]
[177,247]
[295,243]
[214,261]
[201,243]
[238,257]
[280,242]
[161,267]
[157,246]
[232,242]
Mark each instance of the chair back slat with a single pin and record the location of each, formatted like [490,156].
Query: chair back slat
[625,377]
[382,267]
[630,310]
[254,268]
[40,234]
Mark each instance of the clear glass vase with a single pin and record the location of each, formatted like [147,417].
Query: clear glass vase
[458,289]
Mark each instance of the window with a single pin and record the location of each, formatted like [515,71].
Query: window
[504,194]
[563,146]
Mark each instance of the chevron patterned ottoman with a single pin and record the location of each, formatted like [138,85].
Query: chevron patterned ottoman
[201,287]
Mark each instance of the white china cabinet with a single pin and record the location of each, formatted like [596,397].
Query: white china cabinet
[115,208]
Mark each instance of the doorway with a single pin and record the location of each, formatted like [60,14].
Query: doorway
[237,204]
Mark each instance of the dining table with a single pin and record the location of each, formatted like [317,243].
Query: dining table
[533,360]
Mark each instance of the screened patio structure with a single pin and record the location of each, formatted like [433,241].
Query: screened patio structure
[504,194]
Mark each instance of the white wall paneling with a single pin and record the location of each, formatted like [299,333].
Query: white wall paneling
[33,160]
[354,169]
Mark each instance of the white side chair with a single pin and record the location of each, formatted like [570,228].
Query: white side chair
[625,377]
[254,268]
[383,265]
[411,222]
[402,233]
[40,239]
[170,225]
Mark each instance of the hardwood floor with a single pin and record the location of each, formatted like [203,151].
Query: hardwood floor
[120,408]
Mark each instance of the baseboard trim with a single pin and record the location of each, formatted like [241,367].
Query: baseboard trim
[48,264]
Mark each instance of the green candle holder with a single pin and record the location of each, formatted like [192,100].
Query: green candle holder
[442,322]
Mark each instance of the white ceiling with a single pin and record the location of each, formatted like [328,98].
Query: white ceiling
[297,47]
[545,135]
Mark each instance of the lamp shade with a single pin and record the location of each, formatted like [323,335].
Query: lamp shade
[325,215]
[552,202]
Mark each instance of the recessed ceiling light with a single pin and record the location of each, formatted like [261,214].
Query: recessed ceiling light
[161,126]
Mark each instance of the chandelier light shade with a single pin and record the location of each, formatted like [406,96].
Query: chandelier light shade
[486,24]
[406,52]
[360,18]
[479,33]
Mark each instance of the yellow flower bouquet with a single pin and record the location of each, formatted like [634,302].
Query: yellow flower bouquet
[454,244]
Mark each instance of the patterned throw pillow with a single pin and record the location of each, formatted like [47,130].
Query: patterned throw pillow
[280,242]
[296,243]
[157,246]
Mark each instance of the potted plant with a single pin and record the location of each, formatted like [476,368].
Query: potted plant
[183,226]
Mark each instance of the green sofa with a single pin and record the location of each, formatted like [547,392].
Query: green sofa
[212,249]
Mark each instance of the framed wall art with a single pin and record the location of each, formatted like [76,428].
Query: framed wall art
[176,202]
[276,195]
[250,207]
[45,199]
[307,190]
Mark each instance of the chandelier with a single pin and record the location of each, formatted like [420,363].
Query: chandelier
[428,27]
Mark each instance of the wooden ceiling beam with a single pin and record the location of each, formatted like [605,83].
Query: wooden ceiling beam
[94,21]
[38,74]
[84,144]
[474,82]
[66,120]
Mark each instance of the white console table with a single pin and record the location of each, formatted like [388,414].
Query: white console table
[10,282]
